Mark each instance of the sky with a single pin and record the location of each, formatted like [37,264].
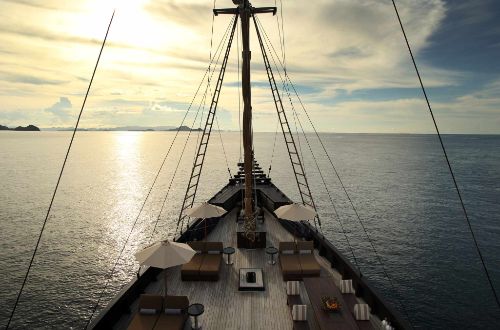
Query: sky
[347,59]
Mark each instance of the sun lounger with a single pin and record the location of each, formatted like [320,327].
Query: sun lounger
[174,314]
[206,264]
[297,260]
[308,263]
[149,310]
[289,261]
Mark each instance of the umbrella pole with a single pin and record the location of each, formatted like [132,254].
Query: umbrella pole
[165,281]
[205,221]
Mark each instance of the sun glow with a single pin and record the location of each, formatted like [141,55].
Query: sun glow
[138,35]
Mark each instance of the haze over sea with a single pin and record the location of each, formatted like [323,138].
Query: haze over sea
[400,186]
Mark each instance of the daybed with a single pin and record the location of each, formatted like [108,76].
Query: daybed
[297,260]
[205,264]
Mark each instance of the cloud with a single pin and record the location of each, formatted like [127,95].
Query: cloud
[28,79]
[61,109]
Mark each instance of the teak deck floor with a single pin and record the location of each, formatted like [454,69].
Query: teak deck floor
[225,306]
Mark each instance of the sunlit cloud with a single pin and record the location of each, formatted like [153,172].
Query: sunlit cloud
[340,54]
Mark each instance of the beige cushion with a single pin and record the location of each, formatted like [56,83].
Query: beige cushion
[346,286]
[362,312]
[305,245]
[286,246]
[299,312]
[150,301]
[292,288]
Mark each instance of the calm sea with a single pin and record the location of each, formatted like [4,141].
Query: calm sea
[399,184]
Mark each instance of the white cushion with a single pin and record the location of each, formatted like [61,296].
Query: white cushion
[346,286]
[287,252]
[292,288]
[362,312]
[305,252]
[299,312]
[172,311]
[148,311]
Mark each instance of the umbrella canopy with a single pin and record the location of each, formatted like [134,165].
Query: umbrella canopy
[205,210]
[295,212]
[165,254]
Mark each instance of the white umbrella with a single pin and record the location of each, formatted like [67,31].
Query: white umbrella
[295,212]
[205,211]
[165,254]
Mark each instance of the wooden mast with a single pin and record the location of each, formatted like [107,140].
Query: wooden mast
[245,12]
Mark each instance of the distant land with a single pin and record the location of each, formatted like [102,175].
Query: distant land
[20,128]
[126,128]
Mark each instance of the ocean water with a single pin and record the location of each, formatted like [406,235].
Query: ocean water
[399,184]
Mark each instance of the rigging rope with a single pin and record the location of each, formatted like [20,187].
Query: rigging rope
[222,144]
[223,42]
[274,145]
[379,259]
[147,196]
[315,161]
[239,83]
[447,159]
[60,175]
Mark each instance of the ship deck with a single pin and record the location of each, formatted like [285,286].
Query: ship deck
[225,306]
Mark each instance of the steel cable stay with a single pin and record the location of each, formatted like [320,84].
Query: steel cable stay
[293,154]
[217,55]
[197,151]
[59,177]
[110,275]
[194,179]
[455,183]
[379,259]
[173,177]
[186,142]
[274,145]
[216,120]
[320,172]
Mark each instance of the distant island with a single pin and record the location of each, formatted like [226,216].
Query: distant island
[20,128]
[184,129]
[127,128]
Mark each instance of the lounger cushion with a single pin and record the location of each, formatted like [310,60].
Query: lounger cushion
[309,264]
[299,312]
[214,246]
[211,264]
[197,245]
[290,264]
[292,288]
[305,245]
[170,322]
[283,246]
[193,266]
[150,301]
[362,312]
[346,286]
[176,302]
[143,321]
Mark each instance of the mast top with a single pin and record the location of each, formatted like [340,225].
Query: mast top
[242,5]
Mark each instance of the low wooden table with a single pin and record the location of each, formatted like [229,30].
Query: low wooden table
[318,287]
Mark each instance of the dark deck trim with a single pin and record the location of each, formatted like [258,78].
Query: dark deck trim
[270,197]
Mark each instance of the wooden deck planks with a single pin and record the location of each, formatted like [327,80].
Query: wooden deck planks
[225,306]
